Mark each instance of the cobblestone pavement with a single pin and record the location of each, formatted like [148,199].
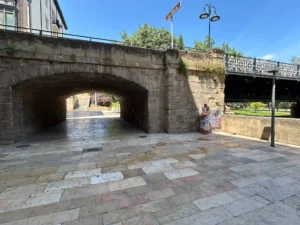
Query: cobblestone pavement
[158,179]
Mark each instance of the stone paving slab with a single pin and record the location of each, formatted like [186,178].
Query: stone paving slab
[273,214]
[245,205]
[22,191]
[42,199]
[250,180]
[218,200]
[64,184]
[175,174]
[211,216]
[53,218]
[126,183]
[83,173]
[164,193]
[161,179]
[108,177]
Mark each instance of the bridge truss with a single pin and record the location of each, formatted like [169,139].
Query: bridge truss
[258,68]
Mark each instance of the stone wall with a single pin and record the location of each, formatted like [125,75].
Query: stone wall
[287,130]
[158,95]
[31,111]
[6,119]
[82,101]
[135,111]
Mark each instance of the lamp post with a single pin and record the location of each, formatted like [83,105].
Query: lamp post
[207,14]
[275,71]
[29,7]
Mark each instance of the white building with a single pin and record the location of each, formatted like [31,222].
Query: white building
[45,15]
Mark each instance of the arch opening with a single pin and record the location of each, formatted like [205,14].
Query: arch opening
[41,102]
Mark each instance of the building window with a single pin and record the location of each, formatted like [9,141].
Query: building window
[46,3]
[47,23]
[53,16]
[8,18]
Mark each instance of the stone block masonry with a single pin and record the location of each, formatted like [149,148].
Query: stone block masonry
[157,95]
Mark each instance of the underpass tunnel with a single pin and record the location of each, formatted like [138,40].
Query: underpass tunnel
[241,88]
[41,103]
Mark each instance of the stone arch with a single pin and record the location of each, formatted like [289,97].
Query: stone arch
[13,77]
[29,82]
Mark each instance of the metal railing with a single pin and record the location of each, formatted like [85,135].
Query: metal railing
[259,67]
[85,38]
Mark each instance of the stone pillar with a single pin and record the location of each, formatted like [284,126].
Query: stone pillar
[171,98]
[295,110]
[6,116]
[70,103]
[192,79]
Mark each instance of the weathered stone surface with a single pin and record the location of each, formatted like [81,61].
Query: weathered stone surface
[286,128]
[156,96]
[260,196]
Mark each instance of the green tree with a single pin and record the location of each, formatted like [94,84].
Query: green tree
[180,43]
[257,105]
[204,45]
[283,105]
[149,37]
[295,60]
[231,51]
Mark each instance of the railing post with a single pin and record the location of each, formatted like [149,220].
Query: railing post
[254,65]
[226,62]
[278,66]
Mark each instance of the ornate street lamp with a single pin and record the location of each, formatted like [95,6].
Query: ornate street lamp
[207,14]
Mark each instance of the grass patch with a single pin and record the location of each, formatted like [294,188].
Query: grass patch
[261,113]
[114,104]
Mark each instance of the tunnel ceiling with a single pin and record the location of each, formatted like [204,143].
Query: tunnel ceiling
[65,85]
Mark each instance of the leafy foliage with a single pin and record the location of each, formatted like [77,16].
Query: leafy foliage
[257,105]
[231,51]
[238,105]
[182,67]
[283,105]
[180,43]
[149,37]
[10,50]
[295,60]
[204,45]
[101,99]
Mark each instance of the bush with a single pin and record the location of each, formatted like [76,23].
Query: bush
[238,105]
[101,100]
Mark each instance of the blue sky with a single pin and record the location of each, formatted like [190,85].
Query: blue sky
[259,28]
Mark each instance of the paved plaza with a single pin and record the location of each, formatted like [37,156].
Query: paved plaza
[98,170]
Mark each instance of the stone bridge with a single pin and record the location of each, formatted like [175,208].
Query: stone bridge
[161,91]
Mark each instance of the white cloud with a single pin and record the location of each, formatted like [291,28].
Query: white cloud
[269,56]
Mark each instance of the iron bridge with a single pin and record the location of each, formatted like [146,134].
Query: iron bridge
[245,66]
